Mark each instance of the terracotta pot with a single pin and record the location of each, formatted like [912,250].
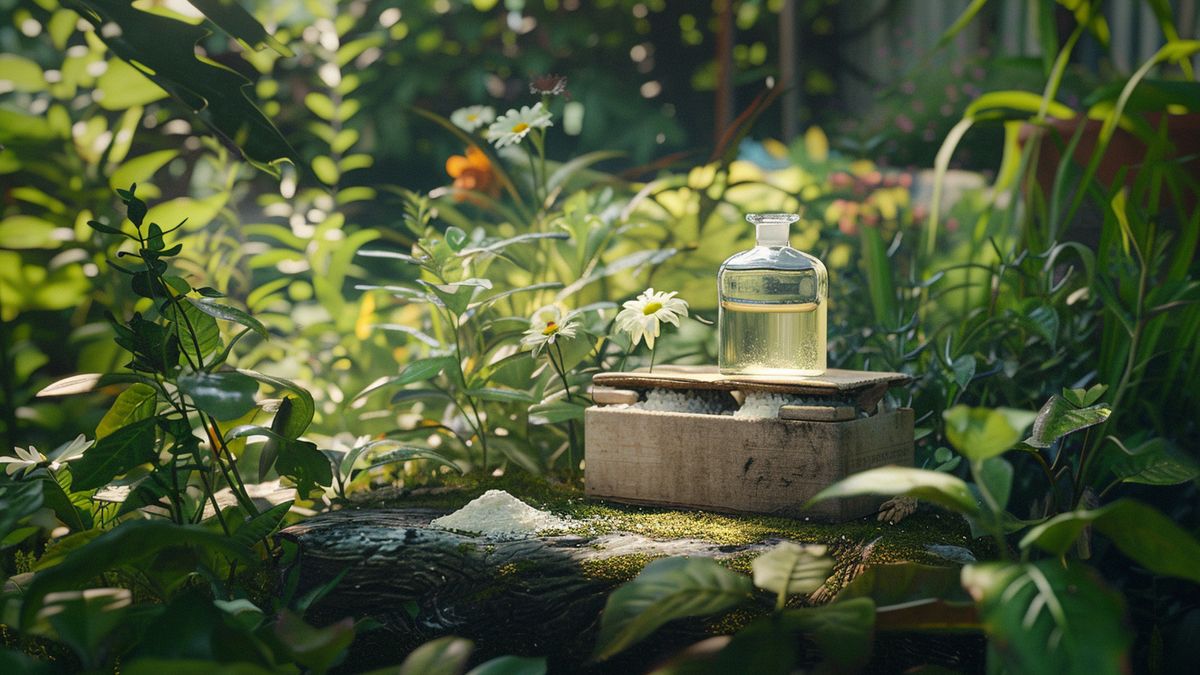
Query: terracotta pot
[1124,150]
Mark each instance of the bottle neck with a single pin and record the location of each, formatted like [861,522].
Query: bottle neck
[772,234]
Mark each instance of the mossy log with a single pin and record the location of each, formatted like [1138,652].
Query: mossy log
[544,595]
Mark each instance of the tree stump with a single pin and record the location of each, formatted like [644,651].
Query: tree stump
[543,596]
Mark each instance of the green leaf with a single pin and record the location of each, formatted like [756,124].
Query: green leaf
[1044,618]
[226,395]
[20,74]
[133,405]
[500,395]
[423,369]
[26,232]
[163,49]
[18,501]
[129,543]
[122,86]
[996,474]
[790,568]
[980,433]
[326,170]
[141,169]
[555,411]
[88,382]
[901,583]
[844,631]
[443,656]
[303,407]
[408,453]
[115,454]
[259,527]
[1060,417]
[197,332]
[931,486]
[1139,531]
[227,313]
[511,665]
[1155,462]
[304,464]
[238,23]
[83,619]
[316,648]
[964,370]
[665,590]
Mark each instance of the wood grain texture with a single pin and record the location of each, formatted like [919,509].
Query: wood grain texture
[723,463]
[832,382]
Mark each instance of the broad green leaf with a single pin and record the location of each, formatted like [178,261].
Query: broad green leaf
[790,568]
[408,453]
[443,656]
[932,486]
[1140,531]
[511,665]
[197,332]
[305,465]
[84,619]
[238,23]
[1044,618]
[423,369]
[163,49]
[228,313]
[18,73]
[665,590]
[996,474]
[225,395]
[303,407]
[26,232]
[114,455]
[17,501]
[980,433]
[261,526]
[500,395]
[318,649]
[122,86]
[142,168]
[1059,417]
[129,543]
[134,404]
[555,411]
[900,583]
[844,631]
[1155,462]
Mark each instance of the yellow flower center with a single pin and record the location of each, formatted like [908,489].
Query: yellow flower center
[550,329]
[652,307]
[519,127]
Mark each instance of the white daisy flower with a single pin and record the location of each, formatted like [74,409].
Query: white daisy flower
[71,450]
[642,317]
[473,117]
[546,326]
[26,460]
[515,124]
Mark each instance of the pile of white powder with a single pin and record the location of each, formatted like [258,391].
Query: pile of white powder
[496,513]
[671,400]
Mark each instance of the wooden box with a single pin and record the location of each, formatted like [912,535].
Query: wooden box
[722,463]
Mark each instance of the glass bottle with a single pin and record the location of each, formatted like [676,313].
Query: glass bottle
[773,305]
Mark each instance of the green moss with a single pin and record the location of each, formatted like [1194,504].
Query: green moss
[618,568]
[905,541]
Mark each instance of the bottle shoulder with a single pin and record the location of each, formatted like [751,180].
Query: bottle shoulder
[773,258]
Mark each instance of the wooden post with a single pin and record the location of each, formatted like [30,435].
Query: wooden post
[723,106]
[788,57]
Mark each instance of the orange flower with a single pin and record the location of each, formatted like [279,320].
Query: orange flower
[472,173]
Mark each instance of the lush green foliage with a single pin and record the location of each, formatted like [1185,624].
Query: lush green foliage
[403,330]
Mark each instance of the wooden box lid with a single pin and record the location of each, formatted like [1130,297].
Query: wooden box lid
[863,387]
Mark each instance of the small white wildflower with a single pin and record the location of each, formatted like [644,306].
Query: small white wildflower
[515,124]
[642,317]
[473,117]
[71,450]
[26,460]
[545,327]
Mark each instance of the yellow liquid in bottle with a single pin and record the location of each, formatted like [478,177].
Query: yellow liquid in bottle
[772,323]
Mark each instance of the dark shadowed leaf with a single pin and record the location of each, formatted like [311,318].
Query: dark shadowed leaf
[1140,531]
[315,648]
[114,455]
[1043,618]
[511,665]
[225,395]
[665,590]
[443,656]
[303,407]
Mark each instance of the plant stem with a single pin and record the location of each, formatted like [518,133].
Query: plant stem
[993,508]
[560,366]
[652,359]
